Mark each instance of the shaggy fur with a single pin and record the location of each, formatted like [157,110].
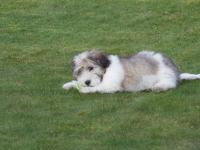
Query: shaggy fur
[94,71]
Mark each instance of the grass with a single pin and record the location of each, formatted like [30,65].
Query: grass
[38,38]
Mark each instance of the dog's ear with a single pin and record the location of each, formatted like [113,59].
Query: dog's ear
[101,59]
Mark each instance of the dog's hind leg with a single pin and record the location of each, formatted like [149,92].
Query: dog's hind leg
[100,89]
[163,86]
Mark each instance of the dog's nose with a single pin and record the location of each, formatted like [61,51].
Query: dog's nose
[87,82]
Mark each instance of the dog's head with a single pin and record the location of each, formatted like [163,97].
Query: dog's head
[89,67]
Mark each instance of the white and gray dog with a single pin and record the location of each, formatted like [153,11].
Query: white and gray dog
[94,71]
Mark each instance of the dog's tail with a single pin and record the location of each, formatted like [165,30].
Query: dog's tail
[189,76]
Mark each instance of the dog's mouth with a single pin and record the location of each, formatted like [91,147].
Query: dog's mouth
[89,86]
[83,85]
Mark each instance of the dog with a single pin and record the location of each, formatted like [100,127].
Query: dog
[95,71]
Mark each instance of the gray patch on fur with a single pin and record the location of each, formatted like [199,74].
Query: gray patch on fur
[100,58]
[135,67]
[168,62]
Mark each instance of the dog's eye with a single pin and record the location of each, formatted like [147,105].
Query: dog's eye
[90,68]
[79,71]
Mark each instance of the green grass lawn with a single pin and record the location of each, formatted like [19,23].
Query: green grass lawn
[38,38]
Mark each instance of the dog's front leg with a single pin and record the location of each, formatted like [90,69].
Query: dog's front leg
[100,89]
[69,85]
[88,90]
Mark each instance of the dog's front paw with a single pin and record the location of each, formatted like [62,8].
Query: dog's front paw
[67,86]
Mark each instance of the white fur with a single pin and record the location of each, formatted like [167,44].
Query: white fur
[147,82]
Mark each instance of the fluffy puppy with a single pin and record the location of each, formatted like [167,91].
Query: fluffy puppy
[94,71]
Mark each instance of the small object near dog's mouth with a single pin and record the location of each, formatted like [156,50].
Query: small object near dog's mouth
[78,86]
